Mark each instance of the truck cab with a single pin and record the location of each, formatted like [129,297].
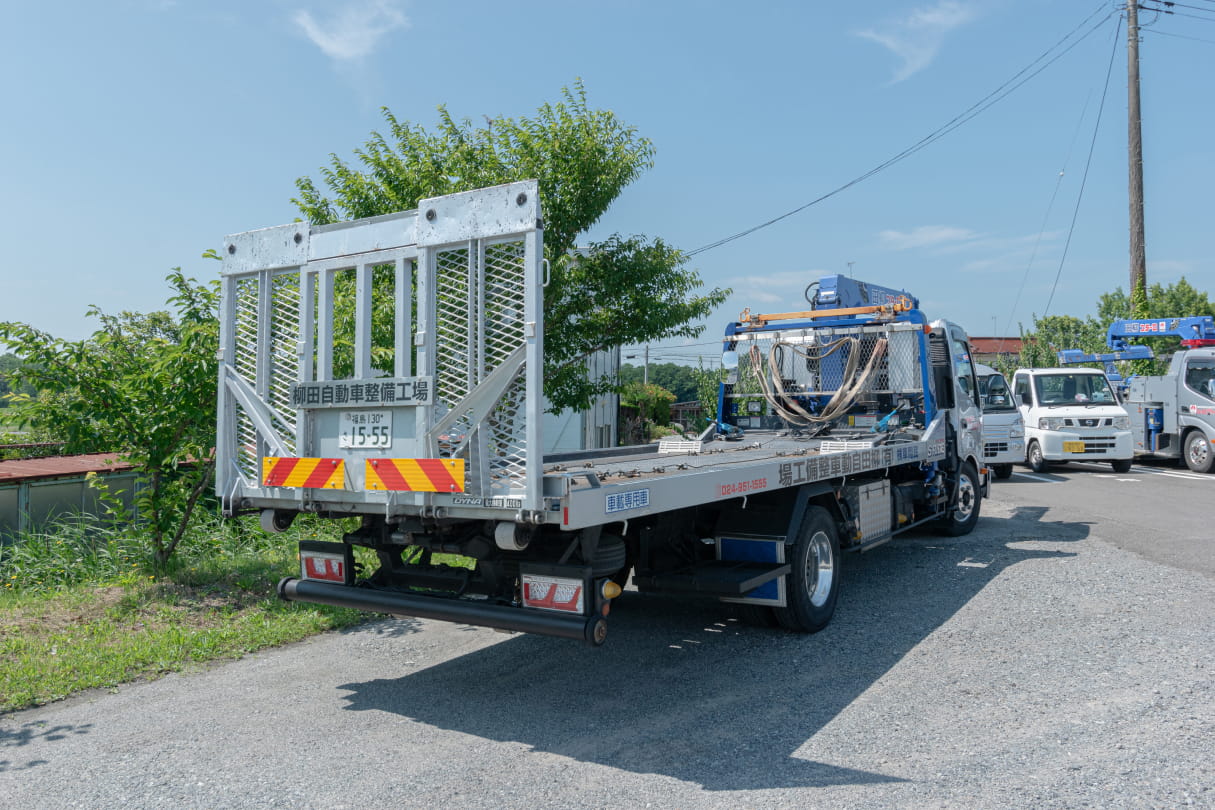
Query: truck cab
[1003,425]
[1072,414]
[1173,415]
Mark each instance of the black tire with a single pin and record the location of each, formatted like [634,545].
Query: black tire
[814,583]
[1002,471]
[1034,458]
[1122,465]
[1198,453]
[964,510]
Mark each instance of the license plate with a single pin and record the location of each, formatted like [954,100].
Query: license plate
[1073,447]
[365,430]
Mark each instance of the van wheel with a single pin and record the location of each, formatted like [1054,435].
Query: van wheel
[964,511]
[1035,459]
[814,582]
[1122,465]
[1198,454]
[1002,471]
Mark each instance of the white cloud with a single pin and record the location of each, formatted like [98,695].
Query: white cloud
[926,236]
[918,37]
[354,30]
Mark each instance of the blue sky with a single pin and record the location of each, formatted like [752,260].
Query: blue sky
[138,133]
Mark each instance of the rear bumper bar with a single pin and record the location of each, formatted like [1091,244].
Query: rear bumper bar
[592,629]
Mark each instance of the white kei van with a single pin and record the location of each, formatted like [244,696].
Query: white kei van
[1071,414]
[1003,427]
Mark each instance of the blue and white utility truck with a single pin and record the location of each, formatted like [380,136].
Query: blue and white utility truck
[1172,415]
[391,370]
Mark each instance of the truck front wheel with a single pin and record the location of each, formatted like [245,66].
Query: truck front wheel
[814,582]
[1034,458]
[964,511]
[1198,454]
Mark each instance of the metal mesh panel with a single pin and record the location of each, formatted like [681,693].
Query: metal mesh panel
[504,332]
[244,362]
[284,343]
[453,326]
[827,372]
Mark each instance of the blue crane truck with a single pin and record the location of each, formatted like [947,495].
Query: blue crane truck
[391,370]
[1172,414]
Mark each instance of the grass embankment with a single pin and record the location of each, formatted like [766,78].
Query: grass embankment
[80,610]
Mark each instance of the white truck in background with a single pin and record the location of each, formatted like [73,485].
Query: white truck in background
[1072,415]
[1172,414]
[434,441]
[1003,425]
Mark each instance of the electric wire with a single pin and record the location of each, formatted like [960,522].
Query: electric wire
[1178,36]
[1015,82]
[1084,180]
[1046,218]
[1171,5]
[1182,14]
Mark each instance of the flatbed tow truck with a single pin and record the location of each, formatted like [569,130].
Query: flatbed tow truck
[434,441]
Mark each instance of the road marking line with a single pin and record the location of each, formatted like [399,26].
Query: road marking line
[1036,477]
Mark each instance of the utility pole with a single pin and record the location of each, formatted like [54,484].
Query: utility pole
[1135,149]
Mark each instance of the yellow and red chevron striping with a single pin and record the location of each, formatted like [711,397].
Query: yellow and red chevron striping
[416,474]
[306,473]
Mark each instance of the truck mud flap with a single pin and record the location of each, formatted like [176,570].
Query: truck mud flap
[591,629]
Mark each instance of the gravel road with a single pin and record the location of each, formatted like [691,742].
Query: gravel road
[1031,664]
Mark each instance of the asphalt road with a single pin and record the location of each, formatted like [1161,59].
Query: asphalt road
[1062,655]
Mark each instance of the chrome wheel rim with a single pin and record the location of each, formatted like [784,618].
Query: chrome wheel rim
[966,499]
[820,569]
[1198,451]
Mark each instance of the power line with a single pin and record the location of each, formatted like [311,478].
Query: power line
[1001,92]
[1046,218]
[1179,14]
[1168,5]
[1178,36]
[1084,180]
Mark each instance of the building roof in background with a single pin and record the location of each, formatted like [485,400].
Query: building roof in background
[32,469]
[995,345]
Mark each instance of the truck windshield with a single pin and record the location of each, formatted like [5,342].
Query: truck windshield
[1200,377]
[994,390]
[1068,389]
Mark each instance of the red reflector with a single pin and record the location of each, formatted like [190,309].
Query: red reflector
[552,593]
[325,567]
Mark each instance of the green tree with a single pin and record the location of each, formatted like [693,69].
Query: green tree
[679,380]
[1176,300]
[1052,334]
[708,384]
[622,290]
[142,386]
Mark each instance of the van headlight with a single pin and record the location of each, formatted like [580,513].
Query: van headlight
[1050,423]
[1122,423]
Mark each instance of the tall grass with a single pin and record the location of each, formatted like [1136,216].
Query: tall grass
[82,606]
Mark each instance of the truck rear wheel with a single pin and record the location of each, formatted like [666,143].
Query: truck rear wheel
[814,582]
[1198,454]
[1002,471]
[964,511]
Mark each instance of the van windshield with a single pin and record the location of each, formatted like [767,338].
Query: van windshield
[993,389]
[1069,389]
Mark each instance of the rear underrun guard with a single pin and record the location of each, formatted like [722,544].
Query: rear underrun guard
[592,629]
